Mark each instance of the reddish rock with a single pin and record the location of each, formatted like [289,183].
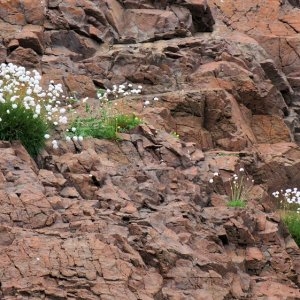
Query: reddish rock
[80,86]
[31,37]
[147,24]
[274,289]
[12,13]
[34,11]
[136,218]
[24,57]
[273,168]
[254,260]
[270,129]
[72,13]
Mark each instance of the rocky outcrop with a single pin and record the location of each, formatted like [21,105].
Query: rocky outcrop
[138,219]
[275,25]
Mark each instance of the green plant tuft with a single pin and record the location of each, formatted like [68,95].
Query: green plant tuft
[20,124]
[288,203]
[175,135]
[236,203]
[105,127]
[106,118]
[292,221]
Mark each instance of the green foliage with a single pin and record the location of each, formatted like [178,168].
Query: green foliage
[105,127]
[175,134]
[21,124]
[292,220]
[236,203]
[288,202]
[105,119]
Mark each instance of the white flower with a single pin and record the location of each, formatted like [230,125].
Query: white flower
[63,119]
[146,102]
[73,129]
[75,138]
[211,180]
[216,174]
[14,98]
[47,136]
[155,99]
[242,170]
[14,106]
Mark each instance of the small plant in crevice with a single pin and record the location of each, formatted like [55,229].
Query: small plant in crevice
[29,112]
[106,118]
[237,188]
[288,203]
[175,135]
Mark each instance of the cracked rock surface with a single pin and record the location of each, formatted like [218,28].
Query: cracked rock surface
[137,218]
[140,229]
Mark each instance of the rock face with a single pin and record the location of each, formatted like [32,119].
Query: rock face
[275,25]
[138,219]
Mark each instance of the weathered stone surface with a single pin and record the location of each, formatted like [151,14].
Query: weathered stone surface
[25,57]
[31,37]
[278,164]
[138,218]
[80,85]
[270,129]
[103,219]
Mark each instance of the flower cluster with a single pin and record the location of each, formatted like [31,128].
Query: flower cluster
[125,89]
[27,110]
[211,180]
[147,102]
[21,87]
[287,198]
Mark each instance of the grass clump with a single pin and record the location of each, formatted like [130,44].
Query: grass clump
[288,202]
[292,221]
[237,188]
[27,111]
[104,127]
[105,118]
[19,123]
[236,203]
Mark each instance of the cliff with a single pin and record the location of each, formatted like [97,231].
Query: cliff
[138,218]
